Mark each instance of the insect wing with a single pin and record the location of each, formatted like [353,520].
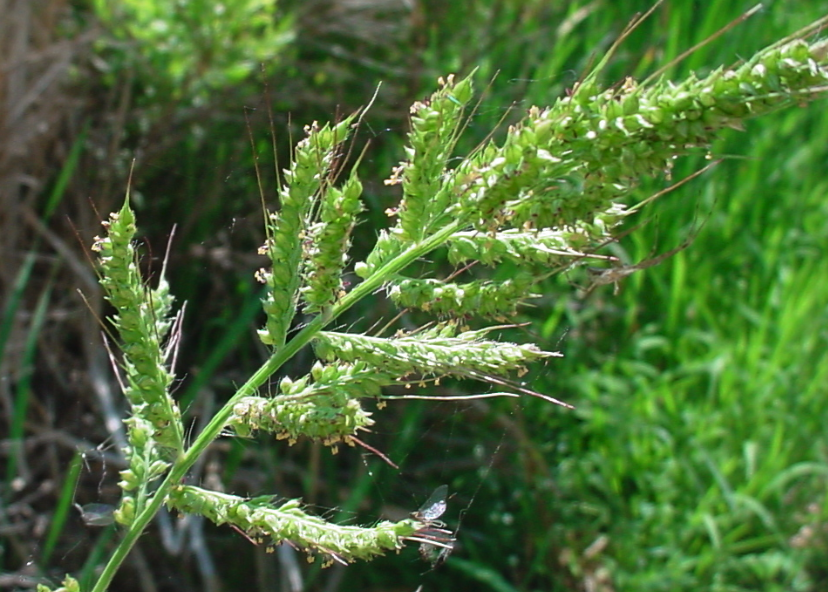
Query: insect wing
[434,506]
[97,514]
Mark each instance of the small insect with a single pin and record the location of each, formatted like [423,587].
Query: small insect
[97,514]
[436,542]
[434,507]
[613,275]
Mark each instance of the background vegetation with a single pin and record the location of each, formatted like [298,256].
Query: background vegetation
[696,456]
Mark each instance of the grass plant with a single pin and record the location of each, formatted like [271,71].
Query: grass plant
[543,198]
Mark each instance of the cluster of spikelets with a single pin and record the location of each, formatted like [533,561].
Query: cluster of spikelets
[269,523]
[143,321]
[540,199]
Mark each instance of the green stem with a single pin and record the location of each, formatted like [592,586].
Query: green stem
[282,355]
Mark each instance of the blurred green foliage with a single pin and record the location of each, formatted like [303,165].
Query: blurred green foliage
[186,49]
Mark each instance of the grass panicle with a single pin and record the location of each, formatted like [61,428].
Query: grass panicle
[557,176]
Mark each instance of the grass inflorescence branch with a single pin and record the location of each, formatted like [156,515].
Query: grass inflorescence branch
[273,523]
[295,242]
